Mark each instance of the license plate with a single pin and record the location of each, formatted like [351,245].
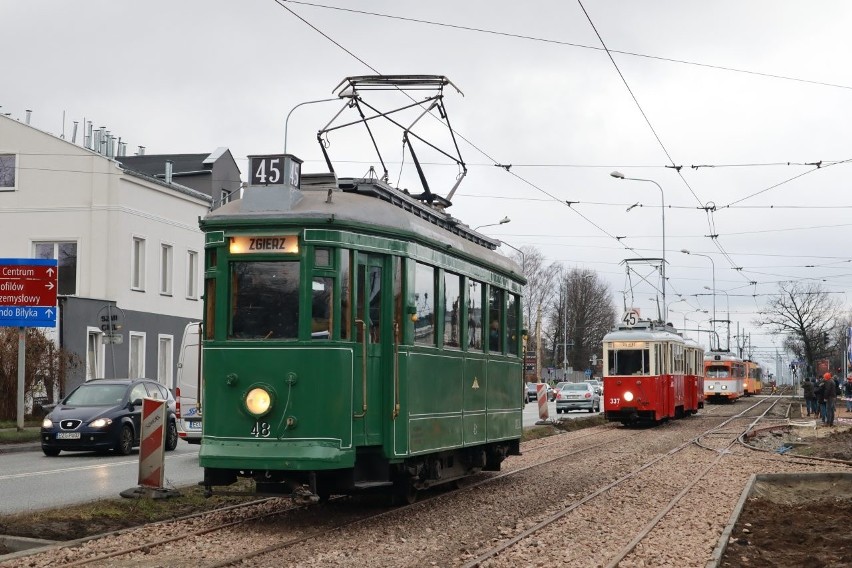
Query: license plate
[68,436]
[194,425]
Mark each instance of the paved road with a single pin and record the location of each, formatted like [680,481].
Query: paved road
[33,481]
[531,413]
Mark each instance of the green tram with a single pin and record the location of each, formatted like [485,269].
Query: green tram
[355,339]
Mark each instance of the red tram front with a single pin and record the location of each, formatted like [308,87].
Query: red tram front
[651,374]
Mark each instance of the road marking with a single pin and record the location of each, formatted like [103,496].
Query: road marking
[79,468]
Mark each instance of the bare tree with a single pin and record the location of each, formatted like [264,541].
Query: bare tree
[806,315]
[580,315]
[539,288]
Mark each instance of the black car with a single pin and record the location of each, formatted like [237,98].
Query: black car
[103,415]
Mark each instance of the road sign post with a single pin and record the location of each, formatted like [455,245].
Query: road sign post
[27,299]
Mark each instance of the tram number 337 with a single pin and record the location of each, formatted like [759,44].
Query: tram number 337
[260,430]
[615,401]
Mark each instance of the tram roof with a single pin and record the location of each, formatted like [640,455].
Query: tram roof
[352,201]
[645,331]
[721,356]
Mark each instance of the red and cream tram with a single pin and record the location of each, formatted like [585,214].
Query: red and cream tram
[724,376]
[651,374]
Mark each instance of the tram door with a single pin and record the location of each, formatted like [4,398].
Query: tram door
[371,301]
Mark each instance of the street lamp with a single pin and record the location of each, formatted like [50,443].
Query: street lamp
[713,266]
[347,94]
[502,221]
[619,175]
[520,252]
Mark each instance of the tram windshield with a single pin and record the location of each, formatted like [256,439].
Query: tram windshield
[718,372]
[628,362]
[265,300]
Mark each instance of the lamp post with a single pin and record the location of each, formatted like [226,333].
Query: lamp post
[619,175]
[713,266]
[520,252]
[347,94]
[502,221]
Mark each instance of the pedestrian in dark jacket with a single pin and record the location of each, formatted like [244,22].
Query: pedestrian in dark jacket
[830,395]
[810,399]
[847,393]
[819,393]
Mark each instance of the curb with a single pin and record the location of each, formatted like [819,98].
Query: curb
[16,448]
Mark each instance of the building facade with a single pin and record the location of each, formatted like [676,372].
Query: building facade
[128,246]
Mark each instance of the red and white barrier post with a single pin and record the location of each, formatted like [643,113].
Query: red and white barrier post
[541,395]
[152,449]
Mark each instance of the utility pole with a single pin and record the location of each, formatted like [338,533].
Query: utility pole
[538,345]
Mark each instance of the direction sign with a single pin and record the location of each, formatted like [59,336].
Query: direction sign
[28,292]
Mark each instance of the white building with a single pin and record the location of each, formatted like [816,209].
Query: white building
[128,247]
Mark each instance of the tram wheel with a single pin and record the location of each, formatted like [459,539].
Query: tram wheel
[404,492]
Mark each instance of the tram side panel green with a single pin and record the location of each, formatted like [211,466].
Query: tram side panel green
[434,401]
[505,412]
[475,389]
[318,402]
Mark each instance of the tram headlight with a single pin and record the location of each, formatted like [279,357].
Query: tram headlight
[711,387]
[628,396]
[258,401]
[724,387]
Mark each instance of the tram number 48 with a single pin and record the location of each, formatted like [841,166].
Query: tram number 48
[260,430]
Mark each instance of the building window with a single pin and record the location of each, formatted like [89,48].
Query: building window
[137,355]
[65,254]
[166,258]
[8,177]
[165,355]
[94,354]
[137,267]
[192,275]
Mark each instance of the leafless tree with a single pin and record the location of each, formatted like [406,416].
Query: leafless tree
[806,316]
[539,289]
[581,313]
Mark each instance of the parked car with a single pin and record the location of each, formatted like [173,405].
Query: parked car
[188,386]
[105,414]
[532,392]
[577,396]
[597,384]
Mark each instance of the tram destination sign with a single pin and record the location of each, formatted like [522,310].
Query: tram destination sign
[28,292]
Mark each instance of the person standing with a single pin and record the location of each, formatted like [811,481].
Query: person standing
[810,399]
[830,395]
[847,393]
[819,393]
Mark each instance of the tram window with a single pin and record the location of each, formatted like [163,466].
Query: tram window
[265,300]
[209,307]
[512,324]
[452,309]
[322,310]
[628,361]
[717,372]
[397,298]
[211,258]
[424,303]
[474,315]
[322,258]
[345,289]
[495,309]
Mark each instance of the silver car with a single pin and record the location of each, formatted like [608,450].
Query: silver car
[577,396]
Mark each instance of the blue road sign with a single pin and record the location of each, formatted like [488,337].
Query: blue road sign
[588,372]
[13,316]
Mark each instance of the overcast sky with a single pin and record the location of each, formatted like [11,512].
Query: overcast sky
[189,76]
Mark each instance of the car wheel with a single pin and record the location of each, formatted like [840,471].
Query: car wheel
[592,408]
[125,440]
[171,437]
[52,452]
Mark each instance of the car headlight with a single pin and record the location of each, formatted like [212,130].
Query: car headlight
[47,423]
[100,422]
[258,401]
[628,396]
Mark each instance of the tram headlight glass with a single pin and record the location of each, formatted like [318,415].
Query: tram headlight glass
[628,396]
[724,387]
[258,401]
[711,387]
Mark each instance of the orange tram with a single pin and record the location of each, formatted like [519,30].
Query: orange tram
[753,382]
[651,374]
[724,376]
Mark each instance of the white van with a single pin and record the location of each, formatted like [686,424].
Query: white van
[188,387]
